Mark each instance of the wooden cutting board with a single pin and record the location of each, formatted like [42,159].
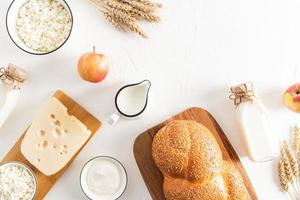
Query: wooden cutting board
[45,183]
[151,174]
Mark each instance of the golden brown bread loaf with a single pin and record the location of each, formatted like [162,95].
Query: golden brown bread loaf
[190,160]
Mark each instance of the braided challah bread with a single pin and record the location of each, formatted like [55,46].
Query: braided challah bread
[190,160]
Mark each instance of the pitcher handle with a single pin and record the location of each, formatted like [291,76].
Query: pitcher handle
[114,118]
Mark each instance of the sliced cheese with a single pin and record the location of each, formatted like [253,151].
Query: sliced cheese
[53,138]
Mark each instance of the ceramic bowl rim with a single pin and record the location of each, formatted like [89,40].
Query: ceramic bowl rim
[42,53]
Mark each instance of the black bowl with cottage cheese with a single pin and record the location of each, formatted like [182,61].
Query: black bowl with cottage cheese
[39,27]
[17,181]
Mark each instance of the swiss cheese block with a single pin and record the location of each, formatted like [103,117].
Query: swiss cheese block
[53,138]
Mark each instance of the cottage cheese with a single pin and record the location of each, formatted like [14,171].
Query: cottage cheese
[16,182]
[43,25]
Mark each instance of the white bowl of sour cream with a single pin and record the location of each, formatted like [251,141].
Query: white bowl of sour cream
[103,178]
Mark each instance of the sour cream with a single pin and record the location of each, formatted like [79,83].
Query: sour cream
[103,178]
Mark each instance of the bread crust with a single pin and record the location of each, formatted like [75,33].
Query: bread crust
[234,182]
[182,189]
[190,159]
[186,149]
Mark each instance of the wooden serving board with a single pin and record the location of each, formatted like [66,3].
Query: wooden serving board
[45,183]
[151,174]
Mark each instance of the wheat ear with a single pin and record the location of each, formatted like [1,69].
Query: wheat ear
[135,28]
[134,15]
[285,184]
[147,16]
[282,176]
[285,173]
[122,18]
[296,141]
[125,13]
[113,21]
[140,6]
[296,144]
[293,163]
[287,166]
[154,4]
[115,4]
[288,170]
[122,15]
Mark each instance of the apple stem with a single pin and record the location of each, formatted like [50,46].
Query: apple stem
[94,49]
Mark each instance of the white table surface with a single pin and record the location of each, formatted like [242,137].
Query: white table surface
[200,48]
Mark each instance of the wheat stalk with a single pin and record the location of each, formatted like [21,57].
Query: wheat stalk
[287,171]
[282,176]
[147,16]
[122,18]
[113,21]
[125,13]
[154,4]
[140,6]
[135,28]
[294,164]
[292,158]
[296,144]
[117,5]
[287,166]
[122,15]
[296,141]
[135,15]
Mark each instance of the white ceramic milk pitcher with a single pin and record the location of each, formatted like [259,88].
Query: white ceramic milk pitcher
[131,100]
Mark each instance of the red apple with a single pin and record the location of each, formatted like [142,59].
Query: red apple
[93,67]
[292,97]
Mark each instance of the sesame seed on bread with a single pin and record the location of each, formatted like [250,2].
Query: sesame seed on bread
[191,162]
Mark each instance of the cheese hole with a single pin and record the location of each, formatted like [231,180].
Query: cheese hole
[44,144]
[57,123]
[66,131]
[57,132]
[53,147]
[42,133]
[39,160]
[64,149]
[63,152]
[52,116]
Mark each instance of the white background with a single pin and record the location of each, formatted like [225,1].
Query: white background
[193,56]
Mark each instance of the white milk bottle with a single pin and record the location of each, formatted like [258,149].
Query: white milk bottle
[254,122]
